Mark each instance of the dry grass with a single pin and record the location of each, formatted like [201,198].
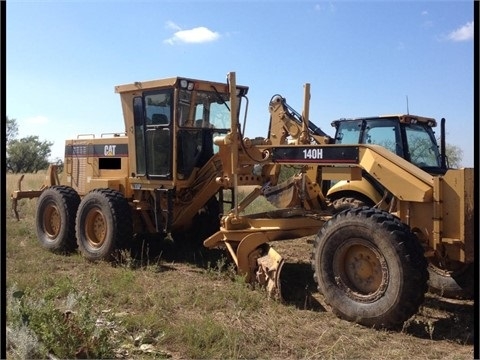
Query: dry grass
[166,307]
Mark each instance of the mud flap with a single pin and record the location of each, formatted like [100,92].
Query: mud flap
[268,273]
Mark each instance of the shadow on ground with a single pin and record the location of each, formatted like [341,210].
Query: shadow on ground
[150,250]
[443,319]
[298,287]
[438,318]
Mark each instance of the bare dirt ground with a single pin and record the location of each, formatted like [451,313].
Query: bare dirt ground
[438,319]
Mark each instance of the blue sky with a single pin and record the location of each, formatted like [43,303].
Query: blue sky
[361,59]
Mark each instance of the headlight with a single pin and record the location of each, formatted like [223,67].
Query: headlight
[185,84]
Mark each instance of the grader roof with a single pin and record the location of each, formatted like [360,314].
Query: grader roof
[173,81]
[403,118]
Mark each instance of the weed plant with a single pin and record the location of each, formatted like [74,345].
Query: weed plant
[40,327]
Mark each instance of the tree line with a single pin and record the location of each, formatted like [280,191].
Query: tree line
[28,154]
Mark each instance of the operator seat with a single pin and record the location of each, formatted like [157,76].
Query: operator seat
[158,138]
[159,119]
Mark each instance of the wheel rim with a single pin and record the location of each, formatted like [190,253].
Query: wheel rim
[52,221]
[95,228]
[360,270]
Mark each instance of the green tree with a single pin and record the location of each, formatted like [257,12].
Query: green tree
[28,155]
[454,155]
[12,129]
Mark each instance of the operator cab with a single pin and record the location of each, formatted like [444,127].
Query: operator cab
[408,136]
[211,117]
[174,121]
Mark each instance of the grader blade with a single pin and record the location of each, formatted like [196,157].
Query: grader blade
[268,273]
[284,195]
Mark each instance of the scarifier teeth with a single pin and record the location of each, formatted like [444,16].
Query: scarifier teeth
[268,273]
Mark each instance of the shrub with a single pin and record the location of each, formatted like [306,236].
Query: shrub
[38,328]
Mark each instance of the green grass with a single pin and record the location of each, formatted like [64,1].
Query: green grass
[165,307]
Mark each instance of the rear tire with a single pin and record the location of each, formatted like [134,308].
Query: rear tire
[458,284]
[370,268]
[104,224]
[345,203]
[55,218]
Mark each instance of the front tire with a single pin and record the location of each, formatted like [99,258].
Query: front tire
[55,218]
[103,224]
[370,268]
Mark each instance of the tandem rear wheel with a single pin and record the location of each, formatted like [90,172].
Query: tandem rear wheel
[103,224]
[55,218]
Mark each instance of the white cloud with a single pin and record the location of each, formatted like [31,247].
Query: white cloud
[172,26]
[196,35]
[320,7]
[36,120]
[463,33]
[427,22]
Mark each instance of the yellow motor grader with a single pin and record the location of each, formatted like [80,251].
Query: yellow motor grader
[184,148]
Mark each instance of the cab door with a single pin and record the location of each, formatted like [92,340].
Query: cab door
[153,133]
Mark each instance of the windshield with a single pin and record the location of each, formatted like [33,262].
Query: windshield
[348,132]
[204,109]
[416,144]
[383,132]
[422,146]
